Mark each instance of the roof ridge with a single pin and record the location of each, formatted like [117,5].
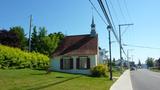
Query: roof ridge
[77,35]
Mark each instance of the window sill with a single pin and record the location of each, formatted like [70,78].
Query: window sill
[83,69]
[66,69]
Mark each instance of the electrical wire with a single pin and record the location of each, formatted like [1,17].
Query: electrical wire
[125,30]
[114,10]
[129,15]
[109,12]
[121,10]
[98,12]
[130,45]
[113,24]
[105,22]
[108,19]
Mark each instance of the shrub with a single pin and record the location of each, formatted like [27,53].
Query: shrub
[16,58]
[99,71]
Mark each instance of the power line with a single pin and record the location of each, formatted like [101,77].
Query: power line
[105,22]
[130,45]
[109,12]
[113,24]
[116,15]
[98,12]
[108,19]
[121,10]
[110,28]
[125,4]
[125,30]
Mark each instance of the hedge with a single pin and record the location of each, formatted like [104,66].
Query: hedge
[99,71]
[16,58]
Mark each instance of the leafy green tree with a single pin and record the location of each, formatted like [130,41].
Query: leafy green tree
[51,42]
[54,41]
[21,35]
[150,62]
[42,32]
[9,38]
[157,63]
[43,43]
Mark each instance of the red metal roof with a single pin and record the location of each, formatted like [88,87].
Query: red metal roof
[77,45]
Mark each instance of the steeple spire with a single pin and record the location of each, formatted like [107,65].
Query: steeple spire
[92,20]
[93,27]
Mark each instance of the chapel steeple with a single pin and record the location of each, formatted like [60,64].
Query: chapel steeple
[93,28]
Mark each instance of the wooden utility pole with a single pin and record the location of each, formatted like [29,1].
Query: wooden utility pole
[120,43]
[30,27]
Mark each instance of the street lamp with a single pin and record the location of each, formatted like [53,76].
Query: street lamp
[109,28]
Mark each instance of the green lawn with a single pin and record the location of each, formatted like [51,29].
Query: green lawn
[155,69]
[26,79]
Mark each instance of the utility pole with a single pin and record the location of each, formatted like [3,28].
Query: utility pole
[128,57]
[120,43]
[110,54]
[30,27]
[132,57]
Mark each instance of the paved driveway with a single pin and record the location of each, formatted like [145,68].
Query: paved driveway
[144,79]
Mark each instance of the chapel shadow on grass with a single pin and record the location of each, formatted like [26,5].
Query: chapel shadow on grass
[38,74]
[59,77]
[53,84]
[41,73]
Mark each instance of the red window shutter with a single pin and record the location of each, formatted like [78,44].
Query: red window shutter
[61,63]
[71,63]
[88,63]
[77,63]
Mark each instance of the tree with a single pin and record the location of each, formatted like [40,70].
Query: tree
[42,32]
[34,40]
[157,63]
[43,43]
[150,62]
[21,35]
[139,63]
[9,38]
[51,42]
[113,62]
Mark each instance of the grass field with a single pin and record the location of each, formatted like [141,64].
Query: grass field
[26,79]
[155,69]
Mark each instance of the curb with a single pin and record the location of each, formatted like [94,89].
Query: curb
[123,83]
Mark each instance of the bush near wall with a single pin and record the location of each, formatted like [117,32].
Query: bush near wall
[16,58]
[99,71]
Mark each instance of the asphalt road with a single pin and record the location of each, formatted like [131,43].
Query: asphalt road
[144,79]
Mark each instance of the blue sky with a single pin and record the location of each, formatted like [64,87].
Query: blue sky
[74,17]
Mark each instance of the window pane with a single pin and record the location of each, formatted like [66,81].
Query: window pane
[83,63]
[66,63]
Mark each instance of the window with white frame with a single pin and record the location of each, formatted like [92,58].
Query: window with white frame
[83,63]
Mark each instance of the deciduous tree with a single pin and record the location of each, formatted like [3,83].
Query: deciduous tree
[21,35]
[150,62]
